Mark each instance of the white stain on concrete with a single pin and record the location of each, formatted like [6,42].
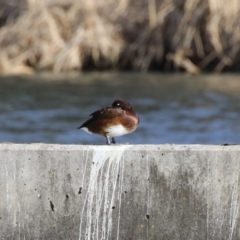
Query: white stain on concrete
[148,194]
[85,166]
[6,174]
[121,170]
[103,193]
[234,210]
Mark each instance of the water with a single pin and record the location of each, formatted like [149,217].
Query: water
[181,109]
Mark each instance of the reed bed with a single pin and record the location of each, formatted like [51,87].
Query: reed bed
[76,35]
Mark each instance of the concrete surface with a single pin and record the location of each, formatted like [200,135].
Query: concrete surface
[119,192]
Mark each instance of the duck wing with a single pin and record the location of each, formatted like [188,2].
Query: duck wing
[108,112]
[105,113]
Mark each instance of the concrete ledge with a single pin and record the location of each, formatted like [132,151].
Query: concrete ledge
[119,192]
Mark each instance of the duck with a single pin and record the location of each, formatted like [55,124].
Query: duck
[111,122]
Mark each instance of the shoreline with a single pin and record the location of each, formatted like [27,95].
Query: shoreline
[194,36]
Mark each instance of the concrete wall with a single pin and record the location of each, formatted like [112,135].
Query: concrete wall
[119,192]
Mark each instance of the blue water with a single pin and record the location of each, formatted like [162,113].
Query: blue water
[180,109]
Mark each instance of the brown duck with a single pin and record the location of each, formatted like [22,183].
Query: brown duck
[110,122]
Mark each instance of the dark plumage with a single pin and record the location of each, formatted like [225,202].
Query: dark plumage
[110,122]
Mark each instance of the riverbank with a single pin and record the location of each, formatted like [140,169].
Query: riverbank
[191,35]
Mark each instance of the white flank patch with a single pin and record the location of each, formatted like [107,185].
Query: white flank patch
[117,130]
[85,130]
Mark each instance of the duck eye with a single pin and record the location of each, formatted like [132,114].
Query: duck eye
[118,104]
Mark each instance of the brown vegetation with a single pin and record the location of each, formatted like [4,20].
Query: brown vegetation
[60,35]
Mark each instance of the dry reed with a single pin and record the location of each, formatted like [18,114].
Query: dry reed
[58,35]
